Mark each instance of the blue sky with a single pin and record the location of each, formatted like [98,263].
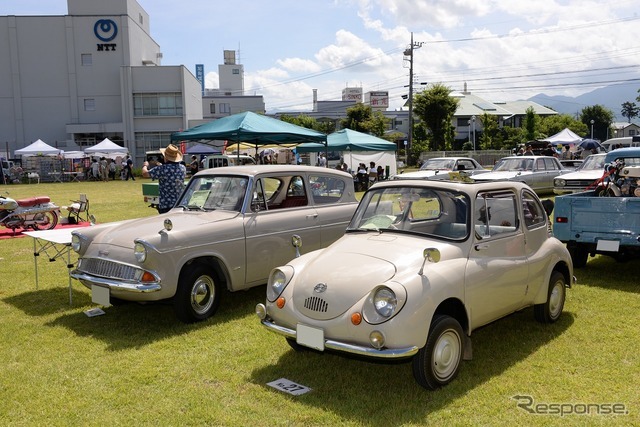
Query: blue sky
[503,50]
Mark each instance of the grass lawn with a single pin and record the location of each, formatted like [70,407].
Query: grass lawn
[138,365]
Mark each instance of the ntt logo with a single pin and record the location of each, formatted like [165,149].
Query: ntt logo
[105,30]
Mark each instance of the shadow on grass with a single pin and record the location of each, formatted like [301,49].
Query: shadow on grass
[130,325]
[607,273]
[382,393]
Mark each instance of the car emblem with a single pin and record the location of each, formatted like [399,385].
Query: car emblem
[103,253]
[320,288]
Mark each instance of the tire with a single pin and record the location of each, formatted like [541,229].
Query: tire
[550,311]
[438,362]
[49,219]
[579,255]
[198,295]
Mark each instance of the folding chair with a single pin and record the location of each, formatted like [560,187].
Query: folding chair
[79,210]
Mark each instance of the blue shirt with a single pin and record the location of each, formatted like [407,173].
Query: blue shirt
[170,178]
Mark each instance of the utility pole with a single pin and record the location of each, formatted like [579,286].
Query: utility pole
[409,52]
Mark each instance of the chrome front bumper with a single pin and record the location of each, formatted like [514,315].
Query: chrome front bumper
[88,279]
[396,353]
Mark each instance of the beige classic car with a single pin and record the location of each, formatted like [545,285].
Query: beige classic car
[230,227]
[422,265]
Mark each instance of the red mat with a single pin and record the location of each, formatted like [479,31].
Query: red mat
[7,233]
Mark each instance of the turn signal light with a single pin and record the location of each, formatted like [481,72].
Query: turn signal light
[148,277]
[562,219]
[280,302]
[356,318]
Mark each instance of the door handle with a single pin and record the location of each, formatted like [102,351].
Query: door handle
[315,215]
[481,246]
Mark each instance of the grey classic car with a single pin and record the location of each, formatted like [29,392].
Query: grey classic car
[422,265]
[537,172]
[440,168]
[582,178]
[230,227]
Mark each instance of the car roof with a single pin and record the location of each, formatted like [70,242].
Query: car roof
[622,153]
[251,170]
[470,187]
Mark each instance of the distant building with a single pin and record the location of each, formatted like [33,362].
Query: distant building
[621,129]
[74,80]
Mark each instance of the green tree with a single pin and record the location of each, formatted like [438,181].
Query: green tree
[630,110]
[435,109]
[362,118]
[602,119]
[326,126]
[490,137]
[531,120]
[550,125]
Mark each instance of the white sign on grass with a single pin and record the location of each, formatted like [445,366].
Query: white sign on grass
[288,386]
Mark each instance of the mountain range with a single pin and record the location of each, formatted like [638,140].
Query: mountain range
[611,97]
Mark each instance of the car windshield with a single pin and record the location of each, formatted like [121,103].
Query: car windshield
[428,211]
[594,162]
[513,164]
[437,164]
[215,192]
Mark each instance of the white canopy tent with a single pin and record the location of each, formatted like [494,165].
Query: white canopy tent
[38,148]
[564,137]
[107,148]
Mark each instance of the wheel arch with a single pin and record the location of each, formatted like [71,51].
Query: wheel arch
[455,308]
[212,262]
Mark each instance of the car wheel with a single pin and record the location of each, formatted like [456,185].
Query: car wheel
[579,255]
[198,295]
[550,311]
[438,362]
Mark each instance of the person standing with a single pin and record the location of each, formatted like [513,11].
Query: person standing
[170,176]
[194,165]
[129,168]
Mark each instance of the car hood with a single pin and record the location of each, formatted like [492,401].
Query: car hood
[123,234]
[505,175]
[582,175]
[424,174]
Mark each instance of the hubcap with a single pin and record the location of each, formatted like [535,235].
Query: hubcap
[555,300]
[446,355]
[202,294]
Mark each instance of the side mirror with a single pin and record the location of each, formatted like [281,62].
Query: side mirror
[296,241]
[431,255]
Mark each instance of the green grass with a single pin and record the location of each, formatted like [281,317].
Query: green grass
[137,365]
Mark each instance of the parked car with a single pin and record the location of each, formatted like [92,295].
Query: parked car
[230,227]
[422,265]
[586,175]
[536,171]
[440,168]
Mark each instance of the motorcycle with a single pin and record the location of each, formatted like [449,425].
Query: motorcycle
[619,180]
[37,213]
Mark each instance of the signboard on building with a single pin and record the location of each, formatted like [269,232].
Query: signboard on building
[105,30]
[377,100]
[352,94]
[200,76]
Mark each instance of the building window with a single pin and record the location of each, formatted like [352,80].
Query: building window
[157,104]
[149,141]
[235,71]
[212,108]
[89,104]
[225,108]
[141,19]
[87,59]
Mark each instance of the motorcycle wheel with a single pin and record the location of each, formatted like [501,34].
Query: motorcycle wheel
[45,221]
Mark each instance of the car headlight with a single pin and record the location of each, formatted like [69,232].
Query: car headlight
[385,301]
[278,280]
[140,252]
[76,243]
[559,182]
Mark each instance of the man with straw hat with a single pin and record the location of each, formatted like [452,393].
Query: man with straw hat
[170,176]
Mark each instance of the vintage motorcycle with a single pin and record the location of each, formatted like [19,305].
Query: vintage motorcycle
[619,180]
[37,213]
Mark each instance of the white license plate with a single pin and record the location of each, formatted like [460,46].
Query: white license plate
[310,337]
[608,245]
[100,295]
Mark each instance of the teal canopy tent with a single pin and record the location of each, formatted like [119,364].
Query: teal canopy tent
[348,140]
[252,128]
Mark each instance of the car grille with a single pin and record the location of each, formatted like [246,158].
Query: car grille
[579,184]
[316,304]
[110,269]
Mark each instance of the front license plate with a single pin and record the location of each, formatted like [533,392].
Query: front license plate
[100,295]
[608,245]
[310,337]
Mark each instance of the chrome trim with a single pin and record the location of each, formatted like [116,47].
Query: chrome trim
[395,353]
[115,285]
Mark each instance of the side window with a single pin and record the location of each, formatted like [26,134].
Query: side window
[326,189]
[550,164]
[259,199]
[540,164]
[296,187]
[494,214]
[533,212]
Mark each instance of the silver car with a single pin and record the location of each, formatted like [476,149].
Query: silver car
[230,227]
[422,265]
[582,178]
[442,167]
[537,172]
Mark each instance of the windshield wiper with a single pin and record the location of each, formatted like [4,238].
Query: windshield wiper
[192,207]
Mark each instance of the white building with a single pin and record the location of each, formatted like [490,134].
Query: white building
[74,80]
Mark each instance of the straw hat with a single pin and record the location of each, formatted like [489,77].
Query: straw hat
[171,153]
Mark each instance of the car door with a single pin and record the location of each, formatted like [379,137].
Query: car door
[270,224]
[333,214]
[535,228]
[497,272]
[552,169]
